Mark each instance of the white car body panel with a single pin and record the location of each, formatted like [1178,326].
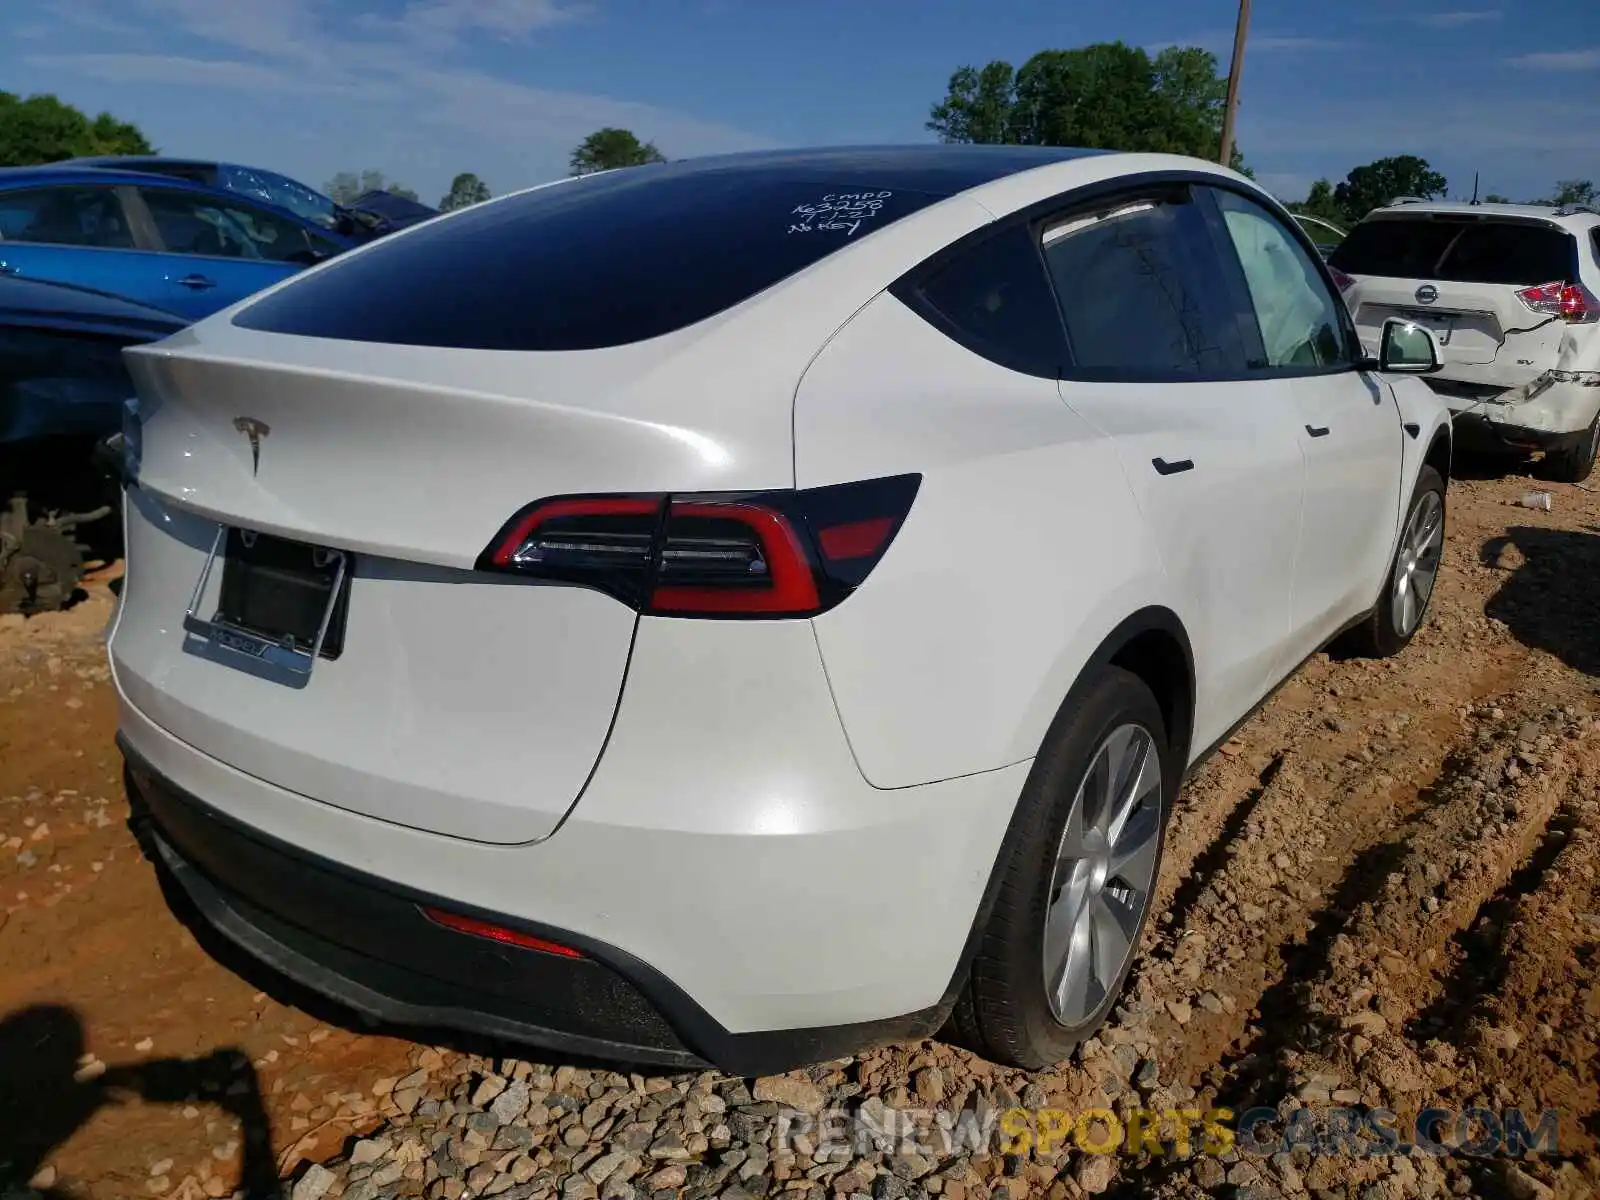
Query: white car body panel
[431,716]
[690,791]
[727,876]
[1352,504]
[1008,473]
[1209,524]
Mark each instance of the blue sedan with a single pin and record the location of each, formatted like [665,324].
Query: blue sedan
[162,242]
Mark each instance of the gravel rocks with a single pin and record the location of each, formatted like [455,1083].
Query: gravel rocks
[791,1091]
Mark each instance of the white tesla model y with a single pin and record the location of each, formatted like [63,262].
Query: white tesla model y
[736,610]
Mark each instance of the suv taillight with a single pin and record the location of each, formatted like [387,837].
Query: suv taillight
[1342,281]
[1571,302]
[765,554]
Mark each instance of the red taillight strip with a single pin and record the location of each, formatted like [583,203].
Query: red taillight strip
[793,589]
[497,933]
[598,506]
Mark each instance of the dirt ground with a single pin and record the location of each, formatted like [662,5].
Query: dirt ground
[1385,892]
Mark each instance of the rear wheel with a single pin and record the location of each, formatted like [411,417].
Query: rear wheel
[1403,605]
[1576,462]
[1079,867]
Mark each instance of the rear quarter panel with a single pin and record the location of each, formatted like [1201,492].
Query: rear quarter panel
[1022,551]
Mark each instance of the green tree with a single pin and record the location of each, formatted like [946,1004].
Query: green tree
[347,185]
[606,149]
[978,107]
[1575,191]
[1380,182]
[1106,96]
[1496,198]
[466,189]
[42,129]
[1319,202]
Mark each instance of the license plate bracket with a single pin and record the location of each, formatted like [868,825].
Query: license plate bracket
[279,601]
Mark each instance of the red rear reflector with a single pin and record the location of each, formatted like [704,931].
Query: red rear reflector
[497,933]
[857,539]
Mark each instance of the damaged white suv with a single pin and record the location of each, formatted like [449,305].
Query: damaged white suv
[1511,294]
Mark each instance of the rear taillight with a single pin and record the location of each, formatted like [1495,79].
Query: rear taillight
[766,554]
[1342,281]
[1571,302]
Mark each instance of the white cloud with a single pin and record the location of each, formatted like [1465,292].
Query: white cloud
[310,88]
[173,69]
[1560,60]
[1295,43]
[1458,18]
[512,19]
[1220,43]
[1416,120]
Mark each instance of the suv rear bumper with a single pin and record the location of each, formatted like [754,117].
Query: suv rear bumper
[1545,415]
[366,943]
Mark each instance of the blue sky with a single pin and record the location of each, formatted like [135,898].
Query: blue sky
[421,89]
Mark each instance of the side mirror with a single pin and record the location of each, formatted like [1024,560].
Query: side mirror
[1407,348]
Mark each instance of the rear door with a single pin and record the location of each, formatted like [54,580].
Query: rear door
[219,250]
[1349,428]
[1458,276]
[1211,453]
[77,234]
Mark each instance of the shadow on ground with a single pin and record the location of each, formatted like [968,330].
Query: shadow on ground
[46,1097]
[1550,599]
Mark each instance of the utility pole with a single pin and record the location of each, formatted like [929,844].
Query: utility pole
[1232,110]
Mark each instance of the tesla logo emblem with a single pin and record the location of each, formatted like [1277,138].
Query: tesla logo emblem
[1427,294]
[254,430]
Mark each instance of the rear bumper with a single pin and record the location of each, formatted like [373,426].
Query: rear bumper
[369,946]
[366,943]
[1545,415]
[790,935]
[1476,431]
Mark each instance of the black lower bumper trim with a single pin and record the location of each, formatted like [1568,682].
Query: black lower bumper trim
[365,942]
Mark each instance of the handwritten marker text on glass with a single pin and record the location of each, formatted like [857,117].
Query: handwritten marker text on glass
[838,211]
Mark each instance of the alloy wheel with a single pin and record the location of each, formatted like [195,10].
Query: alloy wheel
[1417,563]
[1104,873]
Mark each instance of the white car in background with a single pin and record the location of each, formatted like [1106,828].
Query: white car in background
[1511,293]
[741,609]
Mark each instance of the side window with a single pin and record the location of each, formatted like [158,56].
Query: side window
[65,216]
[192,223]
[993,297]
[1298,315]
[1138,280]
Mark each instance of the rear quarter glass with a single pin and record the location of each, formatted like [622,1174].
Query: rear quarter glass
[599,262]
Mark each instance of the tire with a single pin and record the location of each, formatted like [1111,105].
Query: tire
[1005,1012]
[1576,462]
[1391,625]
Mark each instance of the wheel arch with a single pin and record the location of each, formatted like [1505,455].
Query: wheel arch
[1152,644]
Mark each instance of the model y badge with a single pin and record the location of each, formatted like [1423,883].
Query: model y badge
[254,430]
